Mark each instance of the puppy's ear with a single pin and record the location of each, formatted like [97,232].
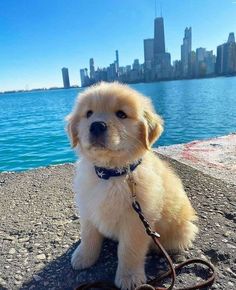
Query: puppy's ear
[72,129]
[152,128]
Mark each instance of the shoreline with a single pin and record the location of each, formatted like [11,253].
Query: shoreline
[131,83]
[36,168]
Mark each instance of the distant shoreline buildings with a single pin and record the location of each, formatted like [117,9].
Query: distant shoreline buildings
[157,62]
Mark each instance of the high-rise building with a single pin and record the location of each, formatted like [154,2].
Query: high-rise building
[136,64]
[65,77]
[200,62]
[220,59]
[186,49]
[200,54]
[148,58]
[231,54]
[226,56]
[92,70]
[177,69]
[231,38]
[162,60]
[117,63]
[205,62]
[159,36]
[148,53]
[192,64]
[210,61]
[85,81]
[111,72]
[100,75]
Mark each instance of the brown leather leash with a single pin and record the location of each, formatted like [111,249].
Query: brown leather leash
[173,269]
[172,272]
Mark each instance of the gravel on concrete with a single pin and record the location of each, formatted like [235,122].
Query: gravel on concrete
[39,230]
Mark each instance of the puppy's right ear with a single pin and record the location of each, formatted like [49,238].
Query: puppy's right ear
[72,129]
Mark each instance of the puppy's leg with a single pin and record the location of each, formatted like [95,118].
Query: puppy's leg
[89,248]
[178,232]
[179,237]
[132,249]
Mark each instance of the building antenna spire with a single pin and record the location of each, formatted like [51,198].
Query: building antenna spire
[161,8]
[155,8]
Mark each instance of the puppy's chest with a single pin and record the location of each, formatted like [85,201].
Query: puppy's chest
[111,204]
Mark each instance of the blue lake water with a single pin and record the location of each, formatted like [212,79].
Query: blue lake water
[32,126]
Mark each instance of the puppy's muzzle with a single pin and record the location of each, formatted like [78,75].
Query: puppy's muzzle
[98,129]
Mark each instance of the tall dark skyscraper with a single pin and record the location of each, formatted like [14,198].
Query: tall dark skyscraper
[65,77]
[162,59]
[117,63]
[117,59]
[159,36]
[92,70]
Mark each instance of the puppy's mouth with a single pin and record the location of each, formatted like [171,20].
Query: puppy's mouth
[97,142]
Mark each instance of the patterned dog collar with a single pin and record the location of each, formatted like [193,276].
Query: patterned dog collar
[106,173]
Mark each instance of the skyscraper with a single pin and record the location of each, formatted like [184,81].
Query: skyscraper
[200,62]
[220,59]
[186,49]
[159,36]
[231,55]
[231,38]
[148,53]
[111,72]
[117,59]
[65,77]
[210,61]
[226,56]
[162,59]
[85,81]
[92,70]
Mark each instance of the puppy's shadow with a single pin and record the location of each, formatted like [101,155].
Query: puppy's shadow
[105,268]
[59,274]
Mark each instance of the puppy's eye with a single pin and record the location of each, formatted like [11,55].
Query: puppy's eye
[121,114]
[89,113]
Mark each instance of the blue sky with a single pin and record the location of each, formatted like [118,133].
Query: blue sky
[39,37]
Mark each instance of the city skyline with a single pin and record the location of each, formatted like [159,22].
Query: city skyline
[38,40]
[157,64]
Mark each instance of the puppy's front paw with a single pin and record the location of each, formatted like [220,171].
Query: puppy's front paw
[129,280]
[82,258]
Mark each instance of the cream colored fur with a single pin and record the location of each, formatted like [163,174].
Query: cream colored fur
[105,205]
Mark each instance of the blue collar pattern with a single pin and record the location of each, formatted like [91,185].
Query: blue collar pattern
[106,173]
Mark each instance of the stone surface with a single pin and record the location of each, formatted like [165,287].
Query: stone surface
[215,156]
[38,218]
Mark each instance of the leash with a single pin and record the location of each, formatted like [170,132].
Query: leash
[172,272]
[155,237]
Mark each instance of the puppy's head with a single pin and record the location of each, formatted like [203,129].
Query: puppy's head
[113,125]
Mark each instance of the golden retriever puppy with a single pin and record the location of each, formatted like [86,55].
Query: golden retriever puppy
[113,127]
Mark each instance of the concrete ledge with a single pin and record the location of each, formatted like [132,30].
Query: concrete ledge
[39,230]
[215,157]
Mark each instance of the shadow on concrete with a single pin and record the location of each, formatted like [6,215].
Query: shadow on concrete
[58,274]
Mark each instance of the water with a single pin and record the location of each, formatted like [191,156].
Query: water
[32,125]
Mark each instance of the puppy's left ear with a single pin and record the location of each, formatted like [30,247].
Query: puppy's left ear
[72,129]
[153,127]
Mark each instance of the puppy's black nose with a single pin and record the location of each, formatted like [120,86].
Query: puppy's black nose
[98,128]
